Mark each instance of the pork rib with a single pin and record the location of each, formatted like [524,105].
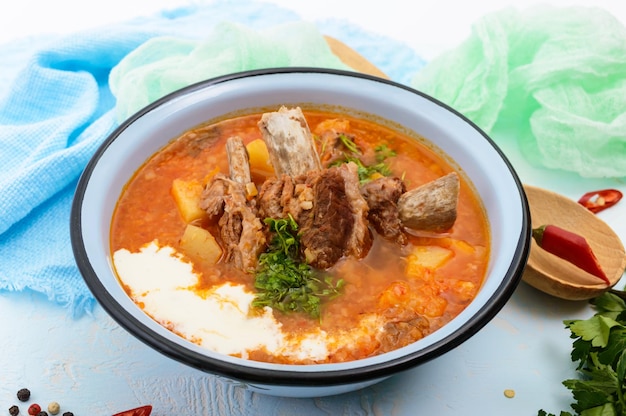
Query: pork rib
[289,142]
[326,203]
[238,160]
[226,199]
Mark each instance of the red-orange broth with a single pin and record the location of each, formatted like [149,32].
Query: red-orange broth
[389,281]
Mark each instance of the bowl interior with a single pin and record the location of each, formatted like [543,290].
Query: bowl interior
[468,149]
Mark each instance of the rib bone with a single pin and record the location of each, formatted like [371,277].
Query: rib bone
[227,198]
[289,142]
[238,161]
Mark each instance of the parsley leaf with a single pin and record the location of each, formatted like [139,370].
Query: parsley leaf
[543,413]
[383,152]
[365,172]
[596,329]
[349,144]
[285,283]
[599,348]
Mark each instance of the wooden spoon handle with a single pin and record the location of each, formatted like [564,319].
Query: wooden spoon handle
[352,58]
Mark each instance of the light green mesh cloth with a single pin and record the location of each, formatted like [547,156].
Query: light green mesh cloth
[165,64]
[556,77]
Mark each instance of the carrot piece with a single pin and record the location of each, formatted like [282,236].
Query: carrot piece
[570,247]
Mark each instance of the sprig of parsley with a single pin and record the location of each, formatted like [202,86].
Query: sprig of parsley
[283,281]
[349,144]
[365,172]
[599,347]
[383,152]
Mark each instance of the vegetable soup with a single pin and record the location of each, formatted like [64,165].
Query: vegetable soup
[299,237]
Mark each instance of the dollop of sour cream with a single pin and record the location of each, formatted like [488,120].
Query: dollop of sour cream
[164,283]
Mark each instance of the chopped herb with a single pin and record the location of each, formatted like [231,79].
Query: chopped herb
[349,144]
[599,347]
[366,172]
[322,143]
[383,152]
[283,281]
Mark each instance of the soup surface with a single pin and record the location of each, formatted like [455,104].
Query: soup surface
[172,258]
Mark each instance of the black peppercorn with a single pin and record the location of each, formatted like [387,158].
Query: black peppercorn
[42,413]
[14,410]
[68,414]
[23,395]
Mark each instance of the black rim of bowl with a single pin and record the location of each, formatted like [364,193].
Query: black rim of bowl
[287,377]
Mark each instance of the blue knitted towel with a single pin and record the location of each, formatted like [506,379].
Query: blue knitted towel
[56,108]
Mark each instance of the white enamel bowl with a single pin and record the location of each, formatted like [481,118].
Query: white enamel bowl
[476,156]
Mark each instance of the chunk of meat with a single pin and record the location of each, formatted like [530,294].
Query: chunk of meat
[213,195]
[241,231]
[227,200]
[337,143]
[242,234]
[402,326]
[271,195]
[337,223]
[432,206]
[360,240]
[329,209]
[382,196]
[329,132]
[284,196]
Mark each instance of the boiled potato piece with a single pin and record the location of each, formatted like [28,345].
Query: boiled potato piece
[464,246]
[198,242]
[259,157]
[458,245]
[427,257]
[187,196]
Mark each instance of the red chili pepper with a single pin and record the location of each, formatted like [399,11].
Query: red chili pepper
[597,201]
[569,246]
[139,411]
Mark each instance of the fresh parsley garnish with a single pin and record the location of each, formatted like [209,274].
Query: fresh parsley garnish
[366,172]
[383,152]
[283,281]
[599,348]
[349,144]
